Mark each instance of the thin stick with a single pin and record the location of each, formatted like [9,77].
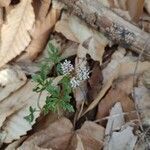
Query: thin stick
[114,116]
[117,29]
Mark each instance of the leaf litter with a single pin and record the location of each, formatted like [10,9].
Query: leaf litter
[107,104]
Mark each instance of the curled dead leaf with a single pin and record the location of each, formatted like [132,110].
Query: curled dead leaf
[41,32]
[11,79]
[14,33]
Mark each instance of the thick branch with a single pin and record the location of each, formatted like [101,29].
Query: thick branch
[113,26]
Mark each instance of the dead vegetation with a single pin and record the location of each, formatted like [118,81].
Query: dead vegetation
[112,106]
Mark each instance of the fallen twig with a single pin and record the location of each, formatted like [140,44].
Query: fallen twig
[113,26]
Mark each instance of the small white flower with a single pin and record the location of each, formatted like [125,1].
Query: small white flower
[74,82]
[83,73]
[67,67]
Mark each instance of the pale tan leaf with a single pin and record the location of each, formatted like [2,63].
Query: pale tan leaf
[147,6]
[135,8]
[124,139]
[41,33]
[4,3]
[79,144]
[96,42]
[11,79]
[90,39]
[115,123]
[14,35]
[63,27]
[146,78]
[122,65]
[43,10]
[123,13]
[1,18]
[106,3]
[14,108]
[142,98]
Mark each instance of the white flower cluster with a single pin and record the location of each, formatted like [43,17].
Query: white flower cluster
[74,82]
[81,74]
[67,67]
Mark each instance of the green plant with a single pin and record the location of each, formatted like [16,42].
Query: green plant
[30,117]
[58,95]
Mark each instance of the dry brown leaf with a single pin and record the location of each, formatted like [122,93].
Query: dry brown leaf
[43,10]
[55,136]
[129,68]
[14,33]
[125,84]
[95,81]
[119,66]
[114,96]
[13,110]
[122,65]
[93,41]
[90,136]
[88,143]
[135,8]
[92,129]
[100,95]
[60,135]
[41,32]
[11,79]
[4,3]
